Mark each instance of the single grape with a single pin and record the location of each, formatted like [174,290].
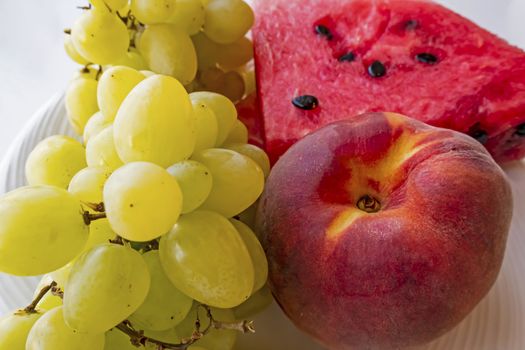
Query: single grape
[106,285]
[257,303]
[169,50]
[188,16]
[247,72]
[132,59]
[95,125]
[206,126]
[81,101]
[153,11]
[237,181]
[195,182]
[41,229]
[54,161]
[155,123]
[236,54]
[100,36]
[260,264]
[227,21]
[101,152]
[113,87]
[72,51]
[205,257]
[99,232]
[87,185]
[254,153]
[216,339]
[223,108]
[50,301]
[207,51]
[238,134]
[117,340]
[142,201]
[111,4]
[51,332]
[165,306]
[14,329]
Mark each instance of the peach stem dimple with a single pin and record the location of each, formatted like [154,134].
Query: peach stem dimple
[369,204]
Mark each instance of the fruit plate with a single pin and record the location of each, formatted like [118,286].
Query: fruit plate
[495,324]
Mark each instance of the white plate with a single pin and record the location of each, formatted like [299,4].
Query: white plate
[496,324]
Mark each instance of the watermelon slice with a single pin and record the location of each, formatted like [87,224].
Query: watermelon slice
[319,61]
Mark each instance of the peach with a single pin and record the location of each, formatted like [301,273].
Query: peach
[383,232]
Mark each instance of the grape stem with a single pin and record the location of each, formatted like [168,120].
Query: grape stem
[138,338]
[31,308]
[88,7]
[67,31]
[98,207]
[89,218]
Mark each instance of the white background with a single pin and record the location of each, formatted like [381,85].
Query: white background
[33,65]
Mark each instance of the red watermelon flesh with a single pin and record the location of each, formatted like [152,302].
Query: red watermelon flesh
[438,67]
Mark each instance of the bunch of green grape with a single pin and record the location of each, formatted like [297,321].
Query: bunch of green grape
[146,224]
[201,43]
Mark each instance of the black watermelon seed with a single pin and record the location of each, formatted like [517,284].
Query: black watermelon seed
[306,102]
[347,57]
[324,31]
[520,130]
[377,69]
[427,58]
[480,135]
[411,24]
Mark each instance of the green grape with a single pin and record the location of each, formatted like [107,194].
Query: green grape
[227,21]
[99,232]
[81,102]
[206,51]
[95,125]
[248,216]
[229,84]
[132,59]
[117,340]
[50,301]
[236,54]
[223,108]
[195,182]
[206,126]
[14,329]
[41,229]
[111,4]
[169,50]
[142,201]
[106,285]
[247,72]
[216,339]
[155,123]
[257,303]
[51,332]
[165,306]
[100,36]
[113,87]
[254,153]
[153,11]
[88,72]
[204,257]
[54,161]
[238,134]
[237,180]
[88,183]
[188,16]
[72,51]
[260,264]
[101,152]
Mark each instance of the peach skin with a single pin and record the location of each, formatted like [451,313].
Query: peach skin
[383,232]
